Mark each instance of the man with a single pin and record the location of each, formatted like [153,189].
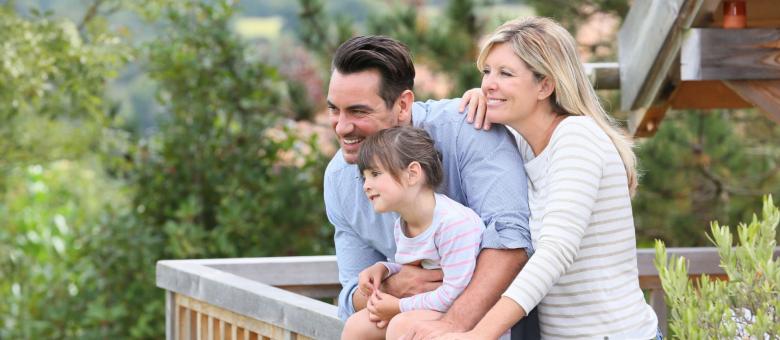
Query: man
[371,89]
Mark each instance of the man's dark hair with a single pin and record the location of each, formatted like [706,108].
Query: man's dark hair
[395,148]
[376,52]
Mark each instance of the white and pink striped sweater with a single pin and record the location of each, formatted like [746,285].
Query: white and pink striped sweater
[451,242]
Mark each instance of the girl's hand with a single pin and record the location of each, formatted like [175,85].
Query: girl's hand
[477,108]
[370,279]
[384,306]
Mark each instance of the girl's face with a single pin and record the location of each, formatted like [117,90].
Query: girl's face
[511,89]
[384,192]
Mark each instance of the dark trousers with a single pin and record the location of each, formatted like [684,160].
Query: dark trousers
[527,328]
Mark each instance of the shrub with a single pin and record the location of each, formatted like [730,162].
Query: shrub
[747,306]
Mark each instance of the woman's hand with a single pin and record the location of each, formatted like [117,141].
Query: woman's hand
[370,279]
[384,306]
[477,108]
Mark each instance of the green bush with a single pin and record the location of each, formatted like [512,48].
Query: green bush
[222,176]
[747,306]
[52,217]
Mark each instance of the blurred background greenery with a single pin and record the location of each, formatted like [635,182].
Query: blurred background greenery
[134,131]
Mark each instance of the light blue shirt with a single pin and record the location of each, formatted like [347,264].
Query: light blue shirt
[482,170]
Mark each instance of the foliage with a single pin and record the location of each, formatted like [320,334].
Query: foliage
[53,217]
[52,78]
[449,44]
[747,306]
[86,208]
[572,14]
[701,167]
[224,179]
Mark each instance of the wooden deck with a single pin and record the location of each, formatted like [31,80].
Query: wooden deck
[282,297]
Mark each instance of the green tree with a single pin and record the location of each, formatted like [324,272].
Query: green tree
[448,43]
[701,167]
[572,14]
[54,192]
[225,178]
[86,209]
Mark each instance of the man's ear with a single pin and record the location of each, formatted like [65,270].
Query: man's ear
[546,88]
[414,173]
[404,105]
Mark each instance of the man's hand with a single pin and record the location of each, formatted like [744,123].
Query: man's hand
[431,330]
[461,336]
[483,292]
[412,280]
[383,306]
[370,279]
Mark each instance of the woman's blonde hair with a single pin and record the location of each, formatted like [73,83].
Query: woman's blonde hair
[550,52]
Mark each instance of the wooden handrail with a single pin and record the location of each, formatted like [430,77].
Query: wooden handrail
[275,297]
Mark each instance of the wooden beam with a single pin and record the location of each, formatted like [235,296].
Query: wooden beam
[648,44]
[726,54]
[764,94]
[603,76]
[645,44]
[706,94]
[640,41]
[645,121]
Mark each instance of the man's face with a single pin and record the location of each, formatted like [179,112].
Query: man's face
[356,110]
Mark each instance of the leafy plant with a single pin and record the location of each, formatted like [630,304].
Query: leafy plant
[747,305]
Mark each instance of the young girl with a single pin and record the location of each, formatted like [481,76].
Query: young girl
[402,169]
[581,173]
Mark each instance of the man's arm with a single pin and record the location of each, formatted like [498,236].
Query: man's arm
[412,280]
[486,286]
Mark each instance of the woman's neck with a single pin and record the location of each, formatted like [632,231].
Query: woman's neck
[537,129]
[418,212]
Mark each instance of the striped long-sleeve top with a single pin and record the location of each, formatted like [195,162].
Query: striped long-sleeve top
[584,273]
[451,243]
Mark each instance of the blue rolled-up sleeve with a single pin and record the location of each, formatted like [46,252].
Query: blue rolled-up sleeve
[495,184]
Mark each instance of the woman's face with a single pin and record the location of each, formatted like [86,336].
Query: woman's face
[510,87]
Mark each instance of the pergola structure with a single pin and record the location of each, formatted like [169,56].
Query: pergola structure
[674,54]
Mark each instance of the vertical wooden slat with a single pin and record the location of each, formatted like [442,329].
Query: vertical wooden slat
[193,325]
[170,315]
[657,301]
[203,325]
[252,336]
[210,327]
[182,317]
[198,327]
[220,326]
[230,331]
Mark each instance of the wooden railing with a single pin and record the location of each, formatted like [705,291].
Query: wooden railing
[280,297]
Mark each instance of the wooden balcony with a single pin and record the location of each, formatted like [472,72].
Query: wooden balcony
[282,297]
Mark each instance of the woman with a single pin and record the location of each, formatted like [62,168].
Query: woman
[581,175]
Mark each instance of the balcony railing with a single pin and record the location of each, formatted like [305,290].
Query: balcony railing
[282,297]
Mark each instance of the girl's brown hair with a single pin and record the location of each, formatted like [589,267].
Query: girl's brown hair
[397,147]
